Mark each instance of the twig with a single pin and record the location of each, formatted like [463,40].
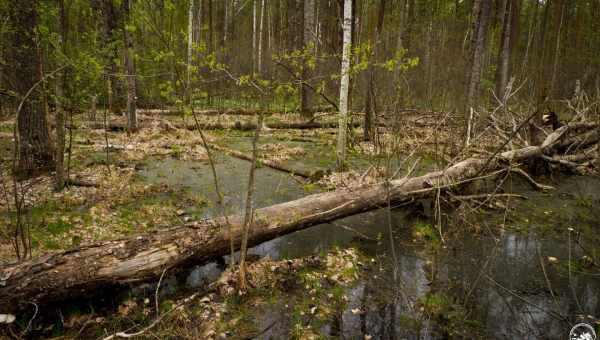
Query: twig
[490,195]
[249,213]
[549,312]
[153,324]
[546,277]
[217,189]
[32,318]
[531,181]
[156,291]
[345,227]
[291,72]
[501,147]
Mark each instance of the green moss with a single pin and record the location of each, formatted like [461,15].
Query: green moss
[58,227]
[426,231]
[453,320]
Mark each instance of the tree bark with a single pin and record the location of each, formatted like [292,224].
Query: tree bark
[107,12]
[370,98]
[559,18]
[211,32]
[35,149]
[83,270]
[307,96]
[344,85]
[60,114]
[260,36]
[132,123]
[477,60]
[254,57]
[504,51]
[190,48]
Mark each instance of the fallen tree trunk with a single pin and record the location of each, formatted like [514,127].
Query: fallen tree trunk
[251,126]
[208,112]
[237,125]
[82,270]
[310,175]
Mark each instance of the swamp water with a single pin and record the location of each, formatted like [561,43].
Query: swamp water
[503,278]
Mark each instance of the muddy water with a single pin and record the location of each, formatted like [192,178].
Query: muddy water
[497,277]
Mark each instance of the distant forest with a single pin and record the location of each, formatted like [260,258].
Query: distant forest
[426,54]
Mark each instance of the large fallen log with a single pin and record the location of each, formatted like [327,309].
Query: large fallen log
[83,270]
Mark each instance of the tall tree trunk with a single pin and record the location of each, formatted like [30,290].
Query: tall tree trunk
[477,60]
[306,95]
[199,25]
[502,73]
[190,48]
[132,124]
[556,60]
[254,57]
[248,207]
[107,12]
[211,32]
[344,84]
[36,152]
[260,35]
[474,26]
[226,23]
[410,22]
[60,97]
[400,39]
[370,99]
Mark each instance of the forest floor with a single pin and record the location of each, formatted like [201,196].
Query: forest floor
[159,177]
[123,202]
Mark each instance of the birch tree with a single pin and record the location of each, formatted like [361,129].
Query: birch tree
[306,95]
[253,36]
[344,85]
[260,35]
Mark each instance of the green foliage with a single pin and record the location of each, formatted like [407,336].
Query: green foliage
[426,232]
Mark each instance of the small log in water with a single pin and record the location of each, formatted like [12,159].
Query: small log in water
[83,270]
[306,174]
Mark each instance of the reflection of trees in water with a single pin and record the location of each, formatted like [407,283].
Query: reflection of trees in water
[376,307]
[514,303]
[510,317]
